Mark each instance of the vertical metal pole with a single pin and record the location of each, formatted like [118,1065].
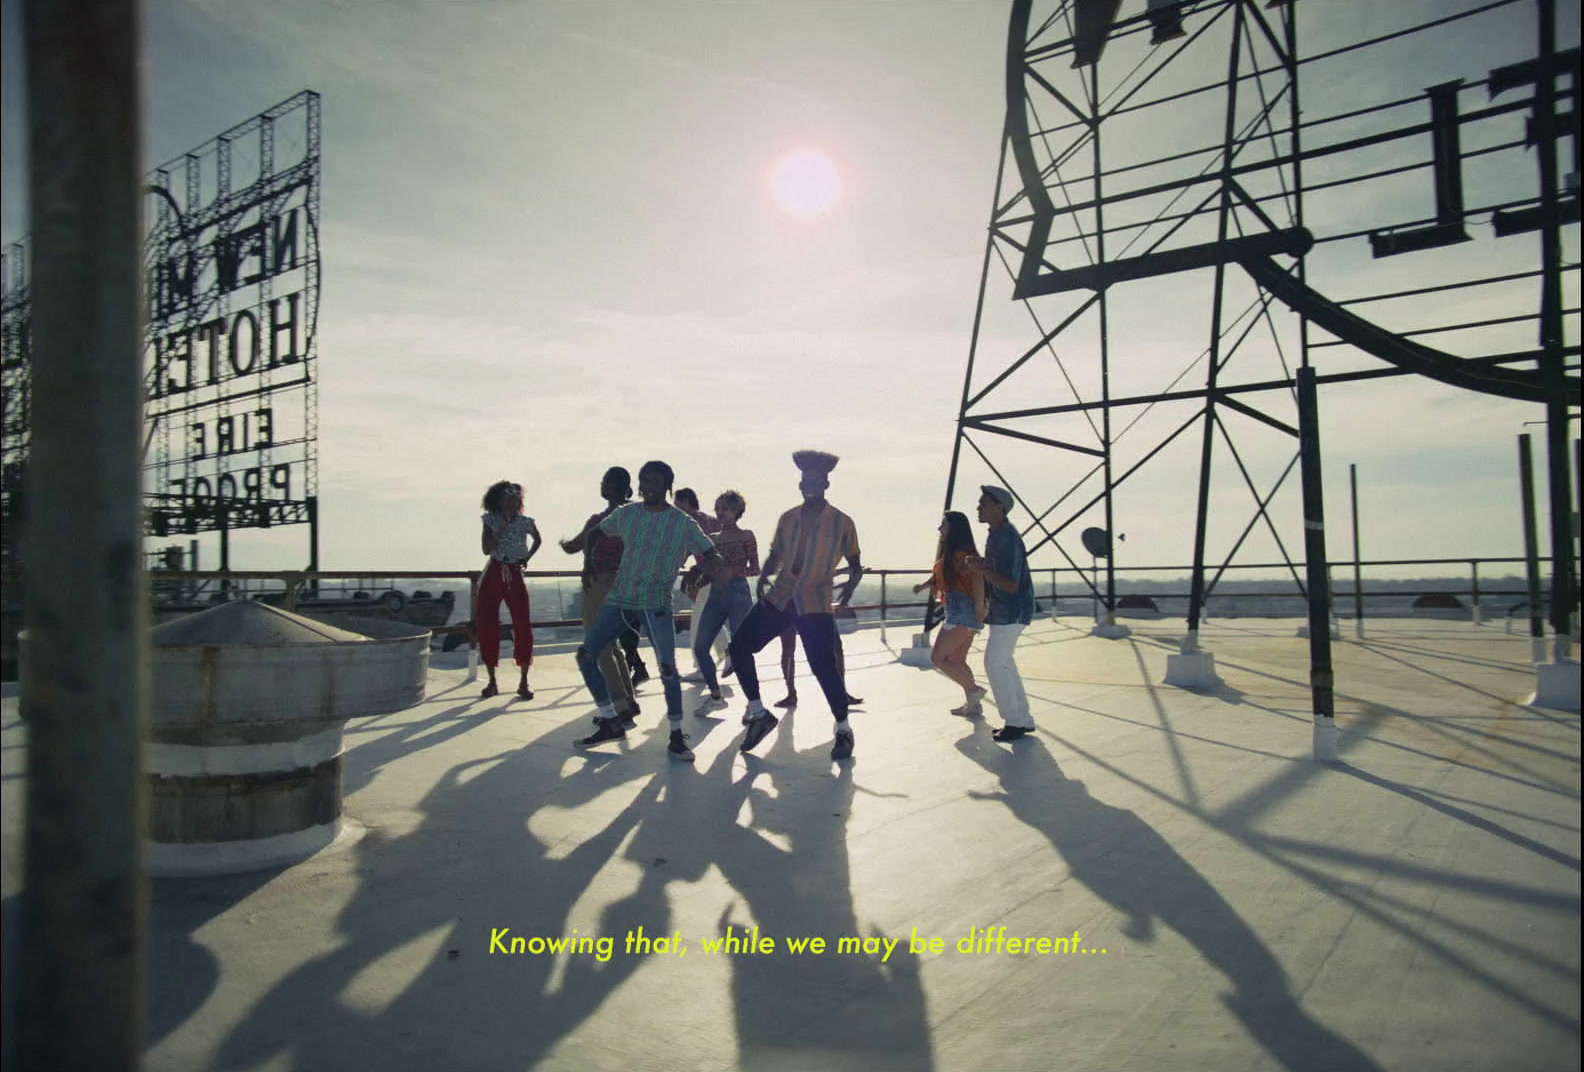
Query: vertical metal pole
[882,595]
[973,339]
[1531,550]
[1552,362]
[1320,673]
[313,542]
[225,550]
[1196,588]
[1474,584]
[1358,577]
[84,686]
[473,587]
[1095,129]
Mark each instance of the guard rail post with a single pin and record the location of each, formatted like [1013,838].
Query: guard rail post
[473,586]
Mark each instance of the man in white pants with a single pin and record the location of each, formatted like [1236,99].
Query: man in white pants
[1011,591]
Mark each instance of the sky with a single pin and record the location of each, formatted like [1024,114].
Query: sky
[552,243]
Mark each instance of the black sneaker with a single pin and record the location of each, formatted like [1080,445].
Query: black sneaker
[758,729]
[1010,733]
[678,747]
[609,730]
[843,747]
[640,674]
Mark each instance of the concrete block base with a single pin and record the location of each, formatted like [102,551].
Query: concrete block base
[1111,631]
[195,859]
[1325,740]
[1556,685]
[1196,671]
[1303,632]
[917,654]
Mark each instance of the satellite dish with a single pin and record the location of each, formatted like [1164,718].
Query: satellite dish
[1097,542]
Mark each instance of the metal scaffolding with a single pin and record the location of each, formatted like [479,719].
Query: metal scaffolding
[1160,182]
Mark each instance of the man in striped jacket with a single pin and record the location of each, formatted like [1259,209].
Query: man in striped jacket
[810,542]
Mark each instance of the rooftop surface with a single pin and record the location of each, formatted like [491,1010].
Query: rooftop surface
[1214,898]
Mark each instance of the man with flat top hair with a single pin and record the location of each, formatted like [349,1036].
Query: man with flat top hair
[810,541]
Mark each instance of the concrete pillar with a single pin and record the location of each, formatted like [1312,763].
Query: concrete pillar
[85,682]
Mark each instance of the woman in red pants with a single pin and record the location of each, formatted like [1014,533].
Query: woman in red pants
[506,539]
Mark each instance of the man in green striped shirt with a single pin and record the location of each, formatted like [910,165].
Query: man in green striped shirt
[656,538]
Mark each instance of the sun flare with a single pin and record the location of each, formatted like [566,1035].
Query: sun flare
[805,183]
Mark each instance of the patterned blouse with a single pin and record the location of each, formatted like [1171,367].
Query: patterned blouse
[511,536]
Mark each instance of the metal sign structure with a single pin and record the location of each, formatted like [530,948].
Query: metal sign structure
[1307,197]
[231,356]
[231,353]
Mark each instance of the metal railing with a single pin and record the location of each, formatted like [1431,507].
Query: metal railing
[1055,587]
[301,586]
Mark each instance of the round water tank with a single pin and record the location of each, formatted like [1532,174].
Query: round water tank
[246,714]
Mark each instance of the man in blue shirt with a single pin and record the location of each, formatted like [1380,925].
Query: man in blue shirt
[1011,592]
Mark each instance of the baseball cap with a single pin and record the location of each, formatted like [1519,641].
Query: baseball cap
[1000,495]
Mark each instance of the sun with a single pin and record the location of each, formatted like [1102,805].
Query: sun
[805,183]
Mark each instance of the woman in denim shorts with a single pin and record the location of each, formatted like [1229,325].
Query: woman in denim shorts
[961,590]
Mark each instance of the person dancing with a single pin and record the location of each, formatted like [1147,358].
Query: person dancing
[730,601]
[1004,568]
[696,586]
[810,540]
[602,557]
[961,589]
[505,537]
[656,537]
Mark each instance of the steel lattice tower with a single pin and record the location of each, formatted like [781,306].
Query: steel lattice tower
[1185,171]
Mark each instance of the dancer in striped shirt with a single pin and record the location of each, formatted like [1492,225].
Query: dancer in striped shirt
[656,537]
[810,541]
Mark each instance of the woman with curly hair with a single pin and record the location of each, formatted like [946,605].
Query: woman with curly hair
[961,590]
[505,539]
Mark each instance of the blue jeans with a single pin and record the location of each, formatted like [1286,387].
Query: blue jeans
[730,602]
[609,624]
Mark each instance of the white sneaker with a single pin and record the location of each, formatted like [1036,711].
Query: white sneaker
[710,704]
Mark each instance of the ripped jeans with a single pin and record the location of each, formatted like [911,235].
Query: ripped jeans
[610,623]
